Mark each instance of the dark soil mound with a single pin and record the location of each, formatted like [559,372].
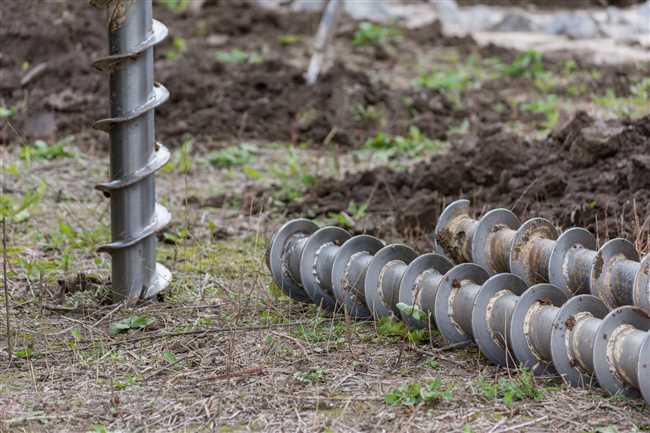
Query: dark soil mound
[588,173]
[209,99]
[212,100]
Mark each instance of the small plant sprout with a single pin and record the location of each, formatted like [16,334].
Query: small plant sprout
[414,144]
[7,112]
[367,114]
[181,161]
[528,64]
[520,387]
[236,56]
[415,394]
[233,156]
[289,39]
[176,6]
[40,150]
[547,107]
[132,322]
[390,328]
[179,46]
[18,210]
[370,34]
[412,311]
[311,376]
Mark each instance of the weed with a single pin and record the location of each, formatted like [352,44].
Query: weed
[121,386]
[411,311]
[181,162]
[412,145]
[444,80]
[391,328]
[176,237]
[635,105]
[367,114]
[7,112]
[414,394]
[432,363]
[311,376]
[320,334]
[289,39]
[520,387]
[19,211]
[348,218]
[26,353]
[131,322]
[179,46]
[169,357]
[547,107]
[528,64]
[176,6]
[373,34]
[40,150]
[233,156]
[293,178]
[236,56]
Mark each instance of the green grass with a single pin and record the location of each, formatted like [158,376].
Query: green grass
[289,39]
[233,156]
[179,46]
[236,56]
[414,394]
[548,107]
[41,150]
[370,34]
[635,105]
[389,328]
[522,386]
[414,144]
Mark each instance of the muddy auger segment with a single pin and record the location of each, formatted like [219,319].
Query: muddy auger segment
[134,154]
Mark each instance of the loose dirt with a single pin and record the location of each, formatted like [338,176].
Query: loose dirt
[216,101]
[589,173]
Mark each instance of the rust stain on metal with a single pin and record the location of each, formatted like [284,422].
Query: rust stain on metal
[570,323]
[119,13]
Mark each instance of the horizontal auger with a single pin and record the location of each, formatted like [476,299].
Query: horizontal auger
[540,327]
[534,251]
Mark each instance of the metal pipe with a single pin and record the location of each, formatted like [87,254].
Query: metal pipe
[134,154]
[580,340]
[538,328]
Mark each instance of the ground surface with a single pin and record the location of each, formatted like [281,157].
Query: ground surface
[401,124]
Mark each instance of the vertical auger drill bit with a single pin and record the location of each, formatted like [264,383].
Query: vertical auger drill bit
[135,156]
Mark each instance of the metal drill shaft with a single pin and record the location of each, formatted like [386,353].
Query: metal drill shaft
[134,154]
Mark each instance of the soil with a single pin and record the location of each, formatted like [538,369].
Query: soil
[217,102]
[589,173]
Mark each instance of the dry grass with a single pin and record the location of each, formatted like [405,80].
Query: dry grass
[224,352]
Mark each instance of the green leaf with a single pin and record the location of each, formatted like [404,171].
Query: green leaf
[24,353]
[250,172]
[170,357]
[133,322]
[411,311]
[22,216]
